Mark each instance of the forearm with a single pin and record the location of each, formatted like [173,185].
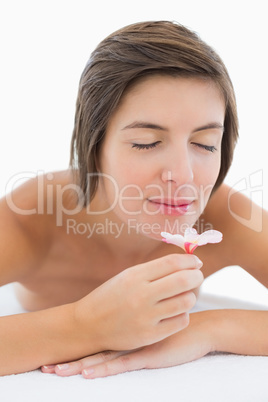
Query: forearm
[240,331]
[30,340]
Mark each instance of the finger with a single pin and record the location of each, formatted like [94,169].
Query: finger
[127,362]
[48,369]
[76,367]
[169,264]
[176,283]
[176,305]
[172,325]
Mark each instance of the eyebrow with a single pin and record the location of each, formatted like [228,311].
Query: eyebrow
[144,124]
[152,126]
[209,126]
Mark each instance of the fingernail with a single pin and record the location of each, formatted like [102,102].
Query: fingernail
[49,367]
[63,366]
[199,263]
[88,372]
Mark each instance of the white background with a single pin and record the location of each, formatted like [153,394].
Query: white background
[45,45]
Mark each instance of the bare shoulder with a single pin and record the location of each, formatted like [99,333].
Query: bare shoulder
[27,224]
[245,232]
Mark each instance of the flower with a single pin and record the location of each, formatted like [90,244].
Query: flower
[191,239]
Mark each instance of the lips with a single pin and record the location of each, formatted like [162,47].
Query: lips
[171,206]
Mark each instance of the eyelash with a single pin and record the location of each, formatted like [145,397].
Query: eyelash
[209,148]
[145,146]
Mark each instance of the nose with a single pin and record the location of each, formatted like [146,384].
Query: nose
[178,168]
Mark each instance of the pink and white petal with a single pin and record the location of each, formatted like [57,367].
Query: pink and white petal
[177,239]
[189,231]
[191,235]
[210,236]
[190,247]
[192,238]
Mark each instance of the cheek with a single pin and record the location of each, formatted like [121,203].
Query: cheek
[216,171]
[210,176]
[206,172]
[205,178]
[128,174]
[122,181]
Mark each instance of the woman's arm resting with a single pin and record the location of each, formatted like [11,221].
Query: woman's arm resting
[234,331]
[43,337]
[241,332]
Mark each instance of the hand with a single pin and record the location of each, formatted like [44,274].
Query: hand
[142,305]
[189,344]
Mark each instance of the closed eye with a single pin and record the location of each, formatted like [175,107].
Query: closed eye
[146,146]
[209,148]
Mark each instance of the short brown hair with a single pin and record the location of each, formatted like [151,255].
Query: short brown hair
[134,51]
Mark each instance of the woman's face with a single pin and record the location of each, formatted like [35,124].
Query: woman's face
[161,154]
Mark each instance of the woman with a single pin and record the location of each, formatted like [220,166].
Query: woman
[155,129]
